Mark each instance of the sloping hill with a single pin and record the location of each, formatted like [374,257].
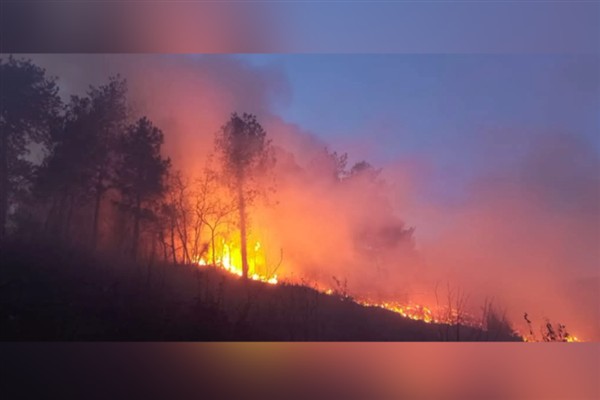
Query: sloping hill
[56,293]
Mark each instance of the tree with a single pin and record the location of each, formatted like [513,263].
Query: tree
[212,207]
[64,178]
[245,154]
[29,106]
[109,116]
[141,171]
[366,170]
[84,150]
[178,199]
[329,167]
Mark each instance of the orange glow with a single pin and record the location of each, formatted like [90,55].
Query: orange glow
[228,258]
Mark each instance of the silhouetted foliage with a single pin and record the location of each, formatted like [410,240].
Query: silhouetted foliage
[555,333]
[29,107]
[83,157]
[140,172]
[333,163]
[109,107]
[363,169]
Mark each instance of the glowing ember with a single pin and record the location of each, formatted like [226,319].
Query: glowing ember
[414,312]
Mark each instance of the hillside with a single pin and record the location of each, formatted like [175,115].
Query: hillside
[55,293]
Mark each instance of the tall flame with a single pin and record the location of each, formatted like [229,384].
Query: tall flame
[228,258]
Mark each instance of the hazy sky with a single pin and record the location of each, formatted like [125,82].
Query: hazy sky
[440,106]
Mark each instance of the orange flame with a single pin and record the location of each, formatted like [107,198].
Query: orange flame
[228,258]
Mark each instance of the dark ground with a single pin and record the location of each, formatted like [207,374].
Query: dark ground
[53,293]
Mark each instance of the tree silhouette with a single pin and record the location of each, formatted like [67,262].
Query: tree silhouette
[81,166]
[330,167]
[64,178]
[109,110]
[29,106]
[140,171]
[178,200]
[245,153]
[364,170]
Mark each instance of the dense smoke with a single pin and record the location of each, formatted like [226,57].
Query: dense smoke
[524,233]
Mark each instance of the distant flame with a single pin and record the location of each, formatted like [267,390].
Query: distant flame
[228,259]
[414,312]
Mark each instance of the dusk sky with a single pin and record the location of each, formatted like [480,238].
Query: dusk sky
[439,106]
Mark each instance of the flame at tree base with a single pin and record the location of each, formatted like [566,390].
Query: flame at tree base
[224,262]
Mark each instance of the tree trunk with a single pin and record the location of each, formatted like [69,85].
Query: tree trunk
[173,254]
[136,228]
[163,243]
[3,182]
[50,216]
[97,203]
[67,226]
[243,239]
[214,249]
[184,231]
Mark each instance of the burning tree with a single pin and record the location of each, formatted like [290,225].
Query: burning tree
[245,154]
[212,209]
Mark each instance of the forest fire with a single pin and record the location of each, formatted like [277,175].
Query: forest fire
[412,311]
[228,258]
[236,207]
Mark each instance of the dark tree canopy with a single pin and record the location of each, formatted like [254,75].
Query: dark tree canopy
[108,114]
[243,145]
[364,170]
[82,162]
[29,108]
[141,170]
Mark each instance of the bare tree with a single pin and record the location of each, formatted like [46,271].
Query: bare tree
[453,313]
[494,322]
[178,196]
[213,207]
